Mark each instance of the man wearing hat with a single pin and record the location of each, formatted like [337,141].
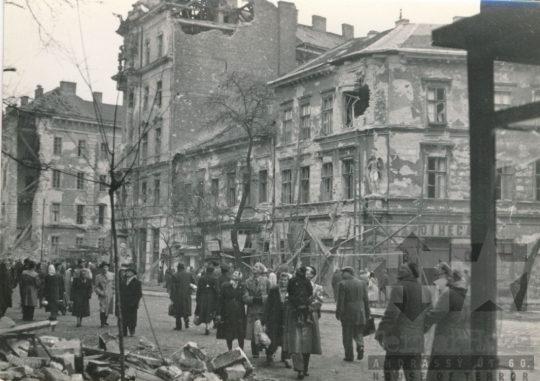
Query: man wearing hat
[257,289]
[103,287]
[181,283]
[353,311]
[130,296]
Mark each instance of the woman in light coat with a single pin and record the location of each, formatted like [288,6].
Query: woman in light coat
[30,286]
[104,290]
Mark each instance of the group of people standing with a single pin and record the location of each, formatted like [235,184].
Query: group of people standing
[243,309]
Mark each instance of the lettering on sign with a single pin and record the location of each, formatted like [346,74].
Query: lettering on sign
[433,230]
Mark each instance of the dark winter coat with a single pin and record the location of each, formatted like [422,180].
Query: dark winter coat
[452,318]
[207,295]
[130,294]
[81,292]
[232,310]
[403,322]
[336,278]
[181,293]
[274,316]
[53,292]
[353,304]
[5,289]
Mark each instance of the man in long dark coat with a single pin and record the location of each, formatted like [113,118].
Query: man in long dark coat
[5,287]
[401,331]
[207,295]
[353,311]
[274,319]
[181,295]
[130,296]
[336,278]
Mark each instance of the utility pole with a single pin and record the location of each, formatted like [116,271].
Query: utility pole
[42,229]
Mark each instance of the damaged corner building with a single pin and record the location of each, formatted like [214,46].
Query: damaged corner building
[55,201]
[175,54]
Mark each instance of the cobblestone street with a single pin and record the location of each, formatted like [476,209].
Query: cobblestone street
[519,336]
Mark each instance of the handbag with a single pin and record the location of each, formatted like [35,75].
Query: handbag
[172,312]
[369,327]
[197,320]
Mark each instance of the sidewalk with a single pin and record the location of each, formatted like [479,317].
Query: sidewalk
[328,307]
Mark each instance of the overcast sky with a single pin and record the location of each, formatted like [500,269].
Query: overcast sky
[38,61]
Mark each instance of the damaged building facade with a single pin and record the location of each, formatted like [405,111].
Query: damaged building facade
[373,145]
[175,55]
[55,197]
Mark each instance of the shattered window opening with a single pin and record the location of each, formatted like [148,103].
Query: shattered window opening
[304,185]
[57,148]
[101,214]
[55,212]
[231,189]
[327,182]
[502,100]
[348,179]
[55,244]
[143,192]
[437,105]
[437,176]
[80,214]
[327,115]
[286,135]
[503,183]
[356,103]
[81,151]
[263,186]
[305,121]
[286,187]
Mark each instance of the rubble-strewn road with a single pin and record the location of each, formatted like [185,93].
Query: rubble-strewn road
[326,367]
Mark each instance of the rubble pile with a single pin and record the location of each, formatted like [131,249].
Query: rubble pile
[26,356]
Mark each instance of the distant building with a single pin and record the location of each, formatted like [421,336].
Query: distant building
[55,173]
[175,53]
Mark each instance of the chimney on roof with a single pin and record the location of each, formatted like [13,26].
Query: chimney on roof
[68,87]
[372,33]
[319,23]
[38,93]
[98,97]
[347,31]
[401,20]
[24,100]
[457,18]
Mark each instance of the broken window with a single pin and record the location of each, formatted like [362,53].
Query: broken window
[143,192]
[56,179]
[101,214]
[102,183]
[145,97]
[103,151]
[158,93]
[55,244]
[286,186]
[286,135]
[436,98]
[144,149]
[304,185]
[263,186]
[57,148]
[231,189]
[503,183]
[157,192]
[305,121]
[160,45]
[348,178]
[80,215]
[327,115]
[502,100]
[55,212]
[81,151]
[436,177]
[80,180]
[356,103]
[327,182]
[147,51]
[158,144]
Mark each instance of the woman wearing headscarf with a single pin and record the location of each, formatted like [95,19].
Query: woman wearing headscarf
[257,288]
[104,290]
[303,340]
[53,291]
[206,298]
[401,330]
[231,313]
[451,315]
[373,290]
[5,287]
[81,291]
[30,287]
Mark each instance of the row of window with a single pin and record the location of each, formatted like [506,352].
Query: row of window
[79,213]
[81,181]
[157,147]
[81,148]
[55,243]
[158,100]
[148,49]
[145,192]
[355,105]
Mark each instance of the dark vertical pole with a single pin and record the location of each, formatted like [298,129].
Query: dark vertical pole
[42,230]
[482,155]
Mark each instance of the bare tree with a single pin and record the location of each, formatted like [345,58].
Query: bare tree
[245,104]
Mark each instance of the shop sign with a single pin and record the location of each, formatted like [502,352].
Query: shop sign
[213,245]
[226,241]
[433,230]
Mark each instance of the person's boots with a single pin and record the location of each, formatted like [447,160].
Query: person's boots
[186,321]
[360,354]
[178,325]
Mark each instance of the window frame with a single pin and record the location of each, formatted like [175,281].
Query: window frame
[159,93]
[286,187]
[146,97]
[327,115]
[55,212]
[231,189]
[504,183]
[79,216]
[101,214]
[304,184]
[147,51]
[263,186]
[287,125]
[305,121]
[327,181]
[79,241]
[437,174]
[144,192]
[102,183]
[214,189]
[56,179]
[57,145]
[80,181]
[157,144]
[159,44]
[347,178]
[496,95]
[157,191]
[55,244]
[435,101]
[81,148]
[144,149]
[103,151]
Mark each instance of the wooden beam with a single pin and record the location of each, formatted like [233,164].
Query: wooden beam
[29,327]
[514,114]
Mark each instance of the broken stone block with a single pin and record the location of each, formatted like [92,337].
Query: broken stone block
[21,347]
[211,377]
[56,365]
[230,358]
[76,377]
[52,374]
[249,368]
[49,341]
[68,362]
[192,364]
[65,346]
[234,373]
[108,342]
[6,323]
[114,376]
[191,351]
[145,343]
[169,372]
[16,373]
[4,365]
